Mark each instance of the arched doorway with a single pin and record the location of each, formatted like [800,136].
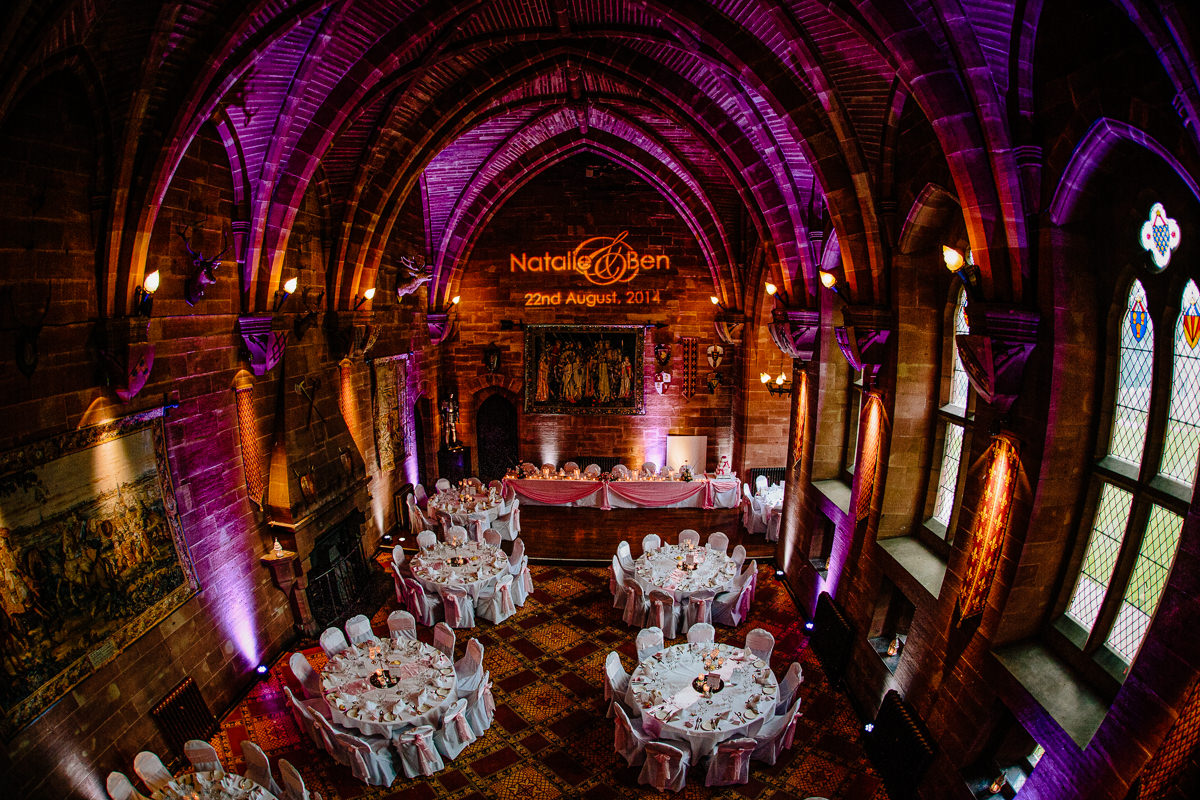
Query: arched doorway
[496,437]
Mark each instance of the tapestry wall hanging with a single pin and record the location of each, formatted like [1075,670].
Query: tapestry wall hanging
[91,557]
[584,369]
[389,433]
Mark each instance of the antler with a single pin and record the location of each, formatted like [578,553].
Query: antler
[187,243]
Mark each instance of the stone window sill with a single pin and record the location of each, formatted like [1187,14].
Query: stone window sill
[922,564]
[836,492]
[1076,708]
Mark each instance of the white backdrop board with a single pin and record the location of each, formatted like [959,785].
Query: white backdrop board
[693,449]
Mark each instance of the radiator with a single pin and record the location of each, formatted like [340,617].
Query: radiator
[183,715]
[899,746]
[831,638]
[774,475]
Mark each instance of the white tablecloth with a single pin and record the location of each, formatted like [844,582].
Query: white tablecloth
[212,786]
[424,691]
[485,564]
[659,569]
[661,689]
[484,507]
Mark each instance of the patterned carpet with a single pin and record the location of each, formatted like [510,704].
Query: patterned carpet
[550,738]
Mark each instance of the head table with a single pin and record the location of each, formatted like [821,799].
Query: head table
[216,785]
[383,686]
[663,689]
[706,491]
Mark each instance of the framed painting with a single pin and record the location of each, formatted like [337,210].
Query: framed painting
[92,556]
[584,369]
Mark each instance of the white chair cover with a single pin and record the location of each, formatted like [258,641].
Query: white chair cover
[570,467]
[202,756]
[616,680]
[481,706]
[750,575]
[776,734]
[426,539]
[758,516]
[418,752]
[548,466]
[620,471]
[293,784]
[301,715]
[444,638]
[358,629]
[398,581]
[150,769]
[498,606]
[456,533]
[789,686]
[651,541]
[458,608]
[649,468]
[529,468]
[616,583]
[495,484]
[739,555]
[421,496]
[508,523]
[665,767]
[761,643]
[492,536]
[699,608]
[305,675]
[329,741]
[718,542]
[469,668]
[761,483]
[402,625]
[518,559]
[258,767]
[398,556]
[592,470]
[119,787]
[426,608]
[522,586]
[688,535]
[649,642]
[629,740]
[662,612]
[442,485]
[625,557]
[368,758]
[731,608]
[455,733]
[333,641]
[730,763]
[635,606]
[475,483]
[700,633]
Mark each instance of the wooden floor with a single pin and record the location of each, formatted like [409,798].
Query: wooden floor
[556,533]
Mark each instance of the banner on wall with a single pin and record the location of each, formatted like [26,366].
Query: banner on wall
[389,434]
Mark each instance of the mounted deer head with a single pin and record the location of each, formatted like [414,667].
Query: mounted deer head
[28,333]
[203,269]
[411,276]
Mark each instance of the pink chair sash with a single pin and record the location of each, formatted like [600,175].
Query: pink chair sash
[425,756]
[662,769]
[703,609]
[733,767]
[507,606]
[789,733]
[464,729]
[489,702]
[527,579]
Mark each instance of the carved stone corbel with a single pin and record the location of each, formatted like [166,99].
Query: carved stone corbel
[995,352]
[126,355]
[728,326]
[442,326]
[264,347]
[863,339]
[794,332]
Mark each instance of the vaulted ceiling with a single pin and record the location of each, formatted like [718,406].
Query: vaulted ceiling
[751,117]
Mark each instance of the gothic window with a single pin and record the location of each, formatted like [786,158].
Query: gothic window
[954,422]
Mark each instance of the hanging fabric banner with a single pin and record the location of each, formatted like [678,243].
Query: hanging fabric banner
[989,527]
[691,353]
[388,434]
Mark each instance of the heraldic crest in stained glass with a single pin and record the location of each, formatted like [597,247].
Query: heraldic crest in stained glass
[1139,320]
[1191,325]
[1160,235]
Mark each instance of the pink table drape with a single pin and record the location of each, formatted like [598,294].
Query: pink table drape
[653,493]
[555,493]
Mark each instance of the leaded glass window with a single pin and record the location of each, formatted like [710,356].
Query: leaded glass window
[1133,380]
[955,423]
[943,504]
[1100,558]
[1182,439]
[1145,587]
[959,385]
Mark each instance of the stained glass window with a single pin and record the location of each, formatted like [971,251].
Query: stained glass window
[959,385]
[1182,440]
[1100,558]
[853,420]
[1145,586]
[943,504]
[1133,379]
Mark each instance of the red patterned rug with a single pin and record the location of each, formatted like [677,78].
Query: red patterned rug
[550,737]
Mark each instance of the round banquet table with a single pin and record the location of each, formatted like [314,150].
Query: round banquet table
[422,686]
[485,564]
[484,507]
[216,785]
[659,569]
[661,690]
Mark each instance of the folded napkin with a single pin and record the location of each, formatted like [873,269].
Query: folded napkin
[400,708]
[425,698]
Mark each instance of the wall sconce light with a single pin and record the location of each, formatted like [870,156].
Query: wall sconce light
[143,296]
[962,266]
[830,282]
[454,300]
[997,785]
[281,295]
[780,385]
[369,294]
[716,301]
[895,646]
